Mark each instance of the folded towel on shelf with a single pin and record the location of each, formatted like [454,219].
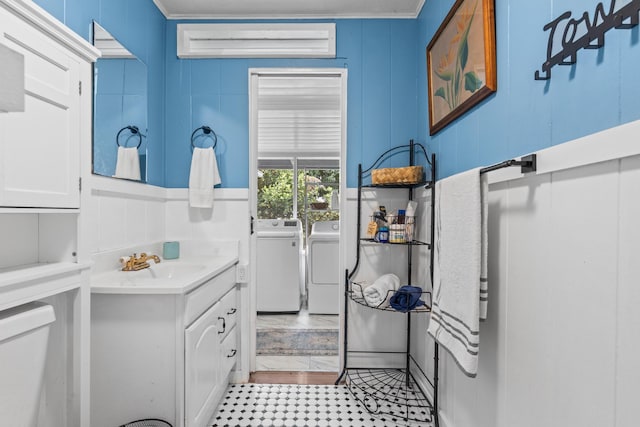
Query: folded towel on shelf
[203,176]
[128,163]
[459,279]
[406,298]
[378,293]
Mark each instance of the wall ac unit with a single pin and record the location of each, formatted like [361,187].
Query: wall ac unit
[257,40]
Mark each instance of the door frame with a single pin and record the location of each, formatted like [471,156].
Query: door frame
[254,74]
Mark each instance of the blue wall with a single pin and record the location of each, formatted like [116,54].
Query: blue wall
[382,92]
[140,26]
[120,99]
[600,91]
[386,88]
[382,98]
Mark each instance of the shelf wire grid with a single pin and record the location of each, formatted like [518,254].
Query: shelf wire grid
[355,294]
[390,393]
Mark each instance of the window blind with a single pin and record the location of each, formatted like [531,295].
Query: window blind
[299,116]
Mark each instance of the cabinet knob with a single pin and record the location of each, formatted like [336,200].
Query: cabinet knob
[224,325]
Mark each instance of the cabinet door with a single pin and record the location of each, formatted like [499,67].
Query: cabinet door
[203,379]
[229,353]
[229,307]
[39,148]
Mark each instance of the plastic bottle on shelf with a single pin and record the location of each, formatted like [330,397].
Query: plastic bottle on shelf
[401,216]
[383,234]
[396,233]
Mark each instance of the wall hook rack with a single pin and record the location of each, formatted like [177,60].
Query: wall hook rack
[592,28]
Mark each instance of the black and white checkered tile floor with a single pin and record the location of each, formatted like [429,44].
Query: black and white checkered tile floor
[266,405]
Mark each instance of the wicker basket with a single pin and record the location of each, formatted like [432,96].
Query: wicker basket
[319,205]
[405,175]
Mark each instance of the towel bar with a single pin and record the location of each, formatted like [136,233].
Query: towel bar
[206,130]
[134,131]
[527,164]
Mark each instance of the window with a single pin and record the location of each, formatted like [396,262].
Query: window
[314,188]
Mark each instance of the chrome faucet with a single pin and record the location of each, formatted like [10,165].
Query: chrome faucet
[135,263]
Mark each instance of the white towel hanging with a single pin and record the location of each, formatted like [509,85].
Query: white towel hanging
[459,281]
[203,177]
[128,163]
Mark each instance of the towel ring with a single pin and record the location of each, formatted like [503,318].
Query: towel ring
[205,130]
[134,131]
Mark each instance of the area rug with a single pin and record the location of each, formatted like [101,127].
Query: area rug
[297,342]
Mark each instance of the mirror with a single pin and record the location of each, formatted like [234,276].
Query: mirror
[119,110]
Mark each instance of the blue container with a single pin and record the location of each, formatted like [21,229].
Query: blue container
[170,250]
[383,235]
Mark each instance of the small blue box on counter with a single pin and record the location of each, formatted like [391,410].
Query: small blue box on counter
[170,250]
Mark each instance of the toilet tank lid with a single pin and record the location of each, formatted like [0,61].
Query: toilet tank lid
[24,318]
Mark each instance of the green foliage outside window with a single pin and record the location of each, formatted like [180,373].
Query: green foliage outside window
[275,193]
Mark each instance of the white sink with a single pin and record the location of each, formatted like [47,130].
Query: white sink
[199,262]
[161,271]
[166,270]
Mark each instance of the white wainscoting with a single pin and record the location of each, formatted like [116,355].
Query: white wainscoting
[120,214]
[560,345]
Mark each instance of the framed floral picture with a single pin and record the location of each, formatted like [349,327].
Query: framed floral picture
[461,62]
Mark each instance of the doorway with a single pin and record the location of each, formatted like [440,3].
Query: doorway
[298,152]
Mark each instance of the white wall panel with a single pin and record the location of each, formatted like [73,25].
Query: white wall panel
[582,297]
[628,312]
[155,221]
[229,219]
[22,232]
[135,221]
[177,220]
[112,223]
[528,287]
[118,219]
[492,389]
[90,232]
[560,344]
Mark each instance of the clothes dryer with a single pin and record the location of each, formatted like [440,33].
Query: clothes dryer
[279,242]
[322,264]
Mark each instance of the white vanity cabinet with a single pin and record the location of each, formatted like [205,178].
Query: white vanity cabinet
[210,353]
[40,146]
[166,356]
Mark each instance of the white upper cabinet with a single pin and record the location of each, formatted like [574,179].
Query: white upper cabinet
[40,147]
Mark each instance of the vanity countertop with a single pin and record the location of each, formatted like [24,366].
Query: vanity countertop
[168,277]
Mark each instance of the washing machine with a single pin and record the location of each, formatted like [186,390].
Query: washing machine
[322,265]
[279,270]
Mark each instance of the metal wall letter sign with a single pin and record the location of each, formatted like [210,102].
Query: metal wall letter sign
[584,32]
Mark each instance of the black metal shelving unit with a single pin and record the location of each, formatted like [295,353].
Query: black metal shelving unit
[391,392]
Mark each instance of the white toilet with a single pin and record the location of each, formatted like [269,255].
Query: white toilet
[24,332]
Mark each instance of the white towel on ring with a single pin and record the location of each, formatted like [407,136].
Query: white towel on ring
[378,293]
[128,163]
[460,289]
[203,176]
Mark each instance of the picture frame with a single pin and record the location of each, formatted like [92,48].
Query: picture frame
[461,62]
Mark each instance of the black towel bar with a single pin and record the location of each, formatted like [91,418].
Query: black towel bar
[526,163]
[134,131]
[206,130]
